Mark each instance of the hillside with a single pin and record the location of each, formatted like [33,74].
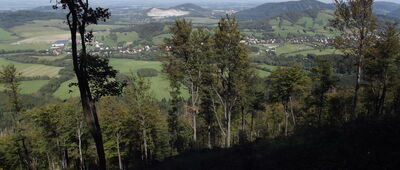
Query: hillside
[11,19]
[275,9]
[361,144]
[384,8]
[395,13]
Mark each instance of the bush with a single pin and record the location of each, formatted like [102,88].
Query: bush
[147,72]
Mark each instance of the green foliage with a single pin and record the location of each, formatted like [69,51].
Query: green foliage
[147,72]
[286,82]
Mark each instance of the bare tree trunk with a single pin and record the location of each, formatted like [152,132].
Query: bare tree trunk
[209,137]
[286,120]
[49,161]
[194,128]
[357,87]
[144,140]
[291,111]
[79,133]
[252,126]
[228,130]
[119,153]
[382,97]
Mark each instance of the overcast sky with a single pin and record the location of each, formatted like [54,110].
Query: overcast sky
[36,3]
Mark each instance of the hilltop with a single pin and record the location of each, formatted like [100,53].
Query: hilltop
[275,9]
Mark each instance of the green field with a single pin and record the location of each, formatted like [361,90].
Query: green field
[29,87]
[122,37]
[159,84]
[32,70]
[159,39]
[6,36]
[291,48]
[65,92]
[128,66]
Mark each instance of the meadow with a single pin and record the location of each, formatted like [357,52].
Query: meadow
[29,87]
[32,70]
[159,84]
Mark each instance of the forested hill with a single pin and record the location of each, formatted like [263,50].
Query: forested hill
[275,9]
[384,8]
[11,19]
[395,13]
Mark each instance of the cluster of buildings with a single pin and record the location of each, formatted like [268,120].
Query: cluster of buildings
[59,47]
[134,50]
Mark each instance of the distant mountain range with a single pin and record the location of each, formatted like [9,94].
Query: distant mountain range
[384,8]
[275,9]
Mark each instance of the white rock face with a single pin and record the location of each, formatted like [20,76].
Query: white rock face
[161,13]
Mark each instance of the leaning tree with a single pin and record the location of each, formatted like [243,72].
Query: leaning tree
[95,77]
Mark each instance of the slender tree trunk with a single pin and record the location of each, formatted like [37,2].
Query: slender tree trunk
[357,87]
[291,111]
[49,161]
[209,137]
[79,133]
[286,120]
[252,126]
[119,153]
[194,128]
[228,130]
[144,140]
[382,97]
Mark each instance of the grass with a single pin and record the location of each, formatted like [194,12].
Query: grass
[121,37]
[65,92]
[316,52]
[128,66]
[159,85]
[24,46]
[159,39]
[50,58]
[29,87]
[32,70]
[291,48]
[6,36]
[40,28]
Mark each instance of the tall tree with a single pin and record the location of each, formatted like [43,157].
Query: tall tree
[323,80]
[9,77]
[381,66]
[95,77]
[285,84]
[357,24]
[115,119]
[190,49]
[232,68]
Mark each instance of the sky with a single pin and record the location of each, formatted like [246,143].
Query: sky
[35,3]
